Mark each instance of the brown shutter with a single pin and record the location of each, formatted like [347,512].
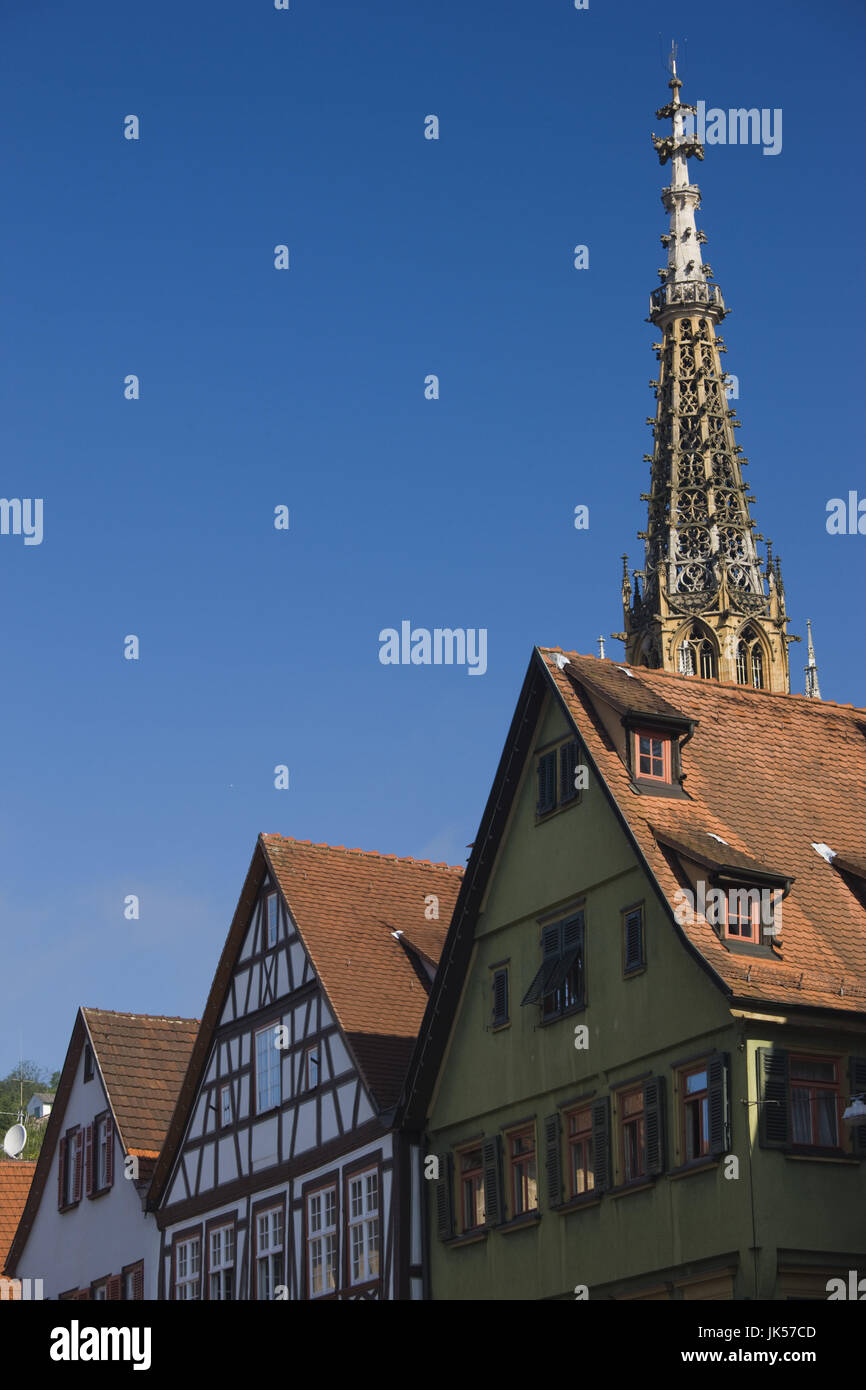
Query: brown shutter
[857,1075]
[61,1171]
[79,1163]
[138,1281]
[115,1288]
[717,1085]
[109,1151]
[601,1142]
[553,1159]
[88,1160]
[445,1199]
[654,1124]
[773,1103]
[491,1160]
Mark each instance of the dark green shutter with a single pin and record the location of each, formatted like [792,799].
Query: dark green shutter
[857,1076]
[654,1124]
[601,1142]
[546,782]
[774,1126]
[445,1199]
[717,1086]
[491,1162]
[553,1159]
[551,942]
[500,997]
[634,939]
[568,763]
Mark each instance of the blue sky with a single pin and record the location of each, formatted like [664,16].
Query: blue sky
[306,388]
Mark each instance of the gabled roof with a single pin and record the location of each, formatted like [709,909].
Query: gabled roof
[770,775]
[16,1175]
[346,905]
[140,1060]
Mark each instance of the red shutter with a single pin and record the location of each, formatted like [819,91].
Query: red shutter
[88,1159]
[115,1287]
[79,1163]
[109,1152]
[138,1281]
[61,1171]
[83,1294]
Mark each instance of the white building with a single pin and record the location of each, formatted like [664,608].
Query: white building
[39,1105]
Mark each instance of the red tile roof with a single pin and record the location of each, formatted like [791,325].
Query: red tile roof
[16,1176]
[772,775]
[143,1060]
[347,903]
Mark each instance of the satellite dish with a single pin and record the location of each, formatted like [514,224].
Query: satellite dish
[15,1139]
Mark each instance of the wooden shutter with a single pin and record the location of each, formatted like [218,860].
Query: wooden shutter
[491,1160]
[553,1159]
[88,1160]
[445,1199]
[109,1151]
[774,1125]
[717,1085]
[601,1143]
[857,1076]
[61,1171]
[546,782]
[551,944]
[79,1163]
[500,996]
[138,1281]
[633,928]
[568,761]
[114,1289]
[654,1124]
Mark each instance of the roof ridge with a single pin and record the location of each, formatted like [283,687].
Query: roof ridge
[715,684]
[151,1018]
[366,853]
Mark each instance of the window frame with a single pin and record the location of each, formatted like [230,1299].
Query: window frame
[685,1102]
[834,1088]
[190,1236]
[579,1139]
[515,1162]
[271,898]
[665,738]
[474,1176]
[225,1092]
[319,1188]
[276,1252]
[312,1054]
[363,1220]
[627,1122]
[102,1165]
[277,1070]
[216,1227]
[556,780]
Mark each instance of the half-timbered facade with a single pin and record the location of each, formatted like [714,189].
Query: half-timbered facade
[84,1231]
[283,1176]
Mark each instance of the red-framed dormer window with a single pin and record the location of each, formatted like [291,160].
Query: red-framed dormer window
[740,915]
[652,755]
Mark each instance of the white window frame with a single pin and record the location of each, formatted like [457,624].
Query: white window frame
[312,1067]
[270,1226]
[225,1109]
[101,1146]
[362,1223]
[271,936]
[100,1292]
[268,1076]
[187,1269]
[221,1264]
[322,1243]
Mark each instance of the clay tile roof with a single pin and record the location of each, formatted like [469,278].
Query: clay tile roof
[346,904]
[772,775]
[709,850]
[620,688]
[143,1060]
[16,1176]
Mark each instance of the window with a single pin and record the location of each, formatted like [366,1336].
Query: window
[267,1070]
[632,940]
[697,654]
[322,1241]
[269,1252]
[99,1292]
[559,984]
[70,1161]
[695,1112]
[815,1101]
[364,1227]
[271,917]
[633,1135]
[499,985]
[471,1173]
[225,1105]
[187,1269]
[580,1160]
[88,1062]
[104,1140]
[221,1268]
[311,1068]
[750,659]
[652,755]
[741,914]
[558,782]
[133,1281]
[523,1181]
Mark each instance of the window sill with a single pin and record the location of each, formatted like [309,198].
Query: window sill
[525,1222]
[697,1165]
[644,787]
[100,1192]
[635,970]
[639,1185]
[542,817]
[587,1199]
[501,1027]
[468,1238]
[566,1013]
[823,1156]
[69,1206]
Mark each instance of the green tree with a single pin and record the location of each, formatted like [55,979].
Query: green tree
[16,1090]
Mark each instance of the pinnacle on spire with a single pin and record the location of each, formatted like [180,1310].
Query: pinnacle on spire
[813,690]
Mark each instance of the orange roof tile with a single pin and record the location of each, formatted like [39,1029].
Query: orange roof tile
[143,1060]
[772,775]
[16,1176]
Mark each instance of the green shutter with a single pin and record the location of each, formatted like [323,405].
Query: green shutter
[601,1142]
[500,997]
[857,1075]
[491,1162]
[553,1159]
[654,1124]
[445,1199]
[773,1104]
[717,1085]
[568,763]
[633,928]
[546,782]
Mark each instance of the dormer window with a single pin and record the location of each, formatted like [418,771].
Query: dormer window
[652,755]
